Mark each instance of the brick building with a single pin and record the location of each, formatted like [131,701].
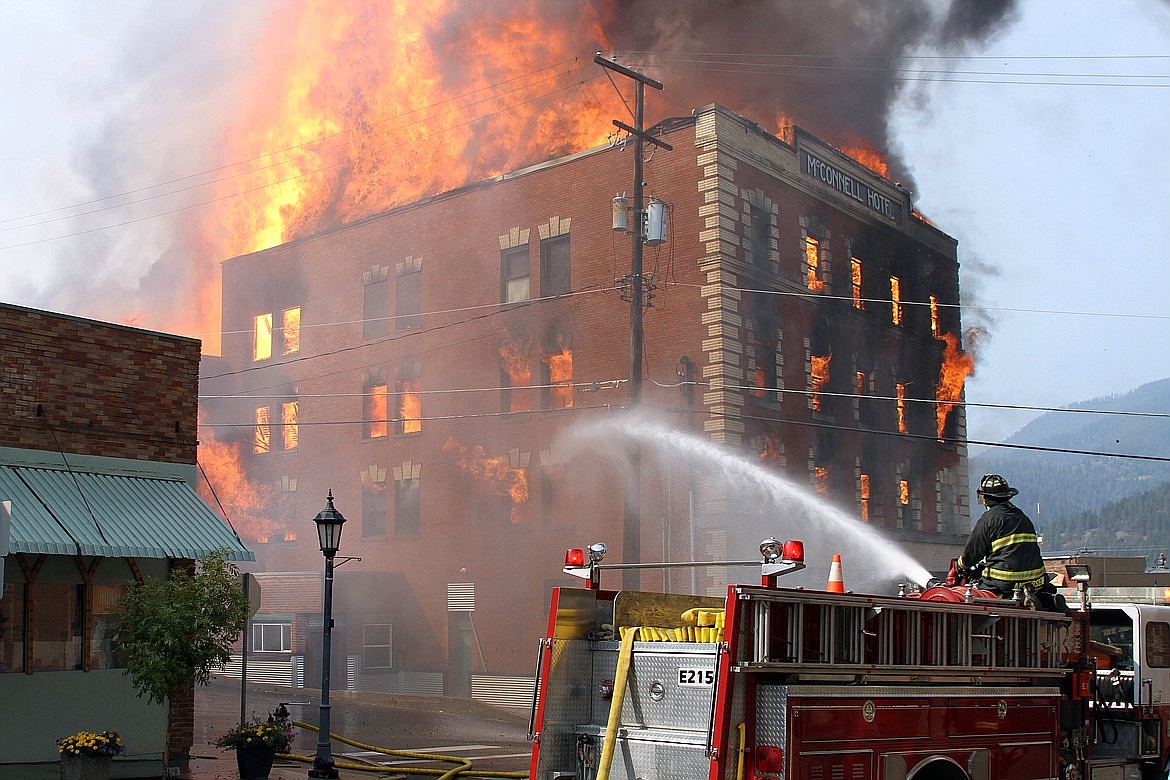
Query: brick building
[439,365]
[97,476]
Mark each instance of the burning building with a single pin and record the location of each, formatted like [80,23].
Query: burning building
[428,364]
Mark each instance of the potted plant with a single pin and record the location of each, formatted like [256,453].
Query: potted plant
[86,755]
[257,742]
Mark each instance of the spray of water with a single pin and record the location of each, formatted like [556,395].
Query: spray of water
[795,511]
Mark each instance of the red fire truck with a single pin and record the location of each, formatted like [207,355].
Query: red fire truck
[947,683]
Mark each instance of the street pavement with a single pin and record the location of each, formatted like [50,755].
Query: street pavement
[492,738]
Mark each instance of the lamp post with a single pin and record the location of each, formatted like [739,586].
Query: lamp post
[329,522]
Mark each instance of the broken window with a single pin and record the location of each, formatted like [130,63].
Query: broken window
[821,479]
[814,271]
[895,300]
[375,419]
[262,336]
[262,434]
[558,374]
[934,325]
[863,491]
[818,378]
[408,301]
[290,426]
[900,406]
[290,330]
[855,280]
[554,266]
[514,274]
[409,405]
[376,304]
[515,378]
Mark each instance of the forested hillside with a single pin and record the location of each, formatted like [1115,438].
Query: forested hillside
[1138,525]
[1058,486]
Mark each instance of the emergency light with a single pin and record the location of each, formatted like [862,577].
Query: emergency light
[574,557]
[794,550]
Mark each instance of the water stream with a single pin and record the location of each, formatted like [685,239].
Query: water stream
[761,503]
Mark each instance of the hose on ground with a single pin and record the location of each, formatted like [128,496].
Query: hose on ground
[463,765]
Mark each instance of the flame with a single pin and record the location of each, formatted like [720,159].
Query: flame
[895,300]
[761,381]
[863,152]
[290,424]
[956,366]
[855,282]
[934,321]
[770,449]
[291,330]
[812,258]
[226,489]
[820,376]
[903,492]
[517,367]
[494,474]
[821,479]
[377,411]
[560,375]
[410,405]
[900,403]
[386,103]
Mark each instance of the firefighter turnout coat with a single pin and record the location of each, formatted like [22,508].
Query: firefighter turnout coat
[1004,543]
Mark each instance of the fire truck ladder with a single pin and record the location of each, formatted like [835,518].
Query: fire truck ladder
[821,636]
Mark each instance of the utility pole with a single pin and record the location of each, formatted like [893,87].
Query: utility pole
[632,527]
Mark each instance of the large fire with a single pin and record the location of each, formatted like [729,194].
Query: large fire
[226,487]
[409,406]
[956,366]
[560,375]
[495,474]
[516,365]
[820,377]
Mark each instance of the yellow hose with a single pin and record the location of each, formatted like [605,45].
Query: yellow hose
[615,704]
[742,750]
[464,765]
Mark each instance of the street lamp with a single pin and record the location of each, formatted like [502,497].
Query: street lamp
[329,522]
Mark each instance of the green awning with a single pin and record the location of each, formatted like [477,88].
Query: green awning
[70,512]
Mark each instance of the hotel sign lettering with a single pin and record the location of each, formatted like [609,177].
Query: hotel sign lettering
[849,186]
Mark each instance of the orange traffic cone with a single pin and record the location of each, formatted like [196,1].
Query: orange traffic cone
[836,582]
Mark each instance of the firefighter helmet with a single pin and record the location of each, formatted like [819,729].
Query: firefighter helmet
[995,487]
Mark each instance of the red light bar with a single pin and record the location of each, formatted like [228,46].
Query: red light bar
[794,550]
[575,557]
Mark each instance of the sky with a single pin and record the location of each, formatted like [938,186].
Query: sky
[1042,153]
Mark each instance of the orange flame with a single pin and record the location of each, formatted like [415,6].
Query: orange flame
[864,487]
[517,367]
[904,492]
[821,479]
[770,449]
[812,258]
[410,405]
[863,152]
[375,110]
[227,490]
[560,376]
[956,366]
[820,376]
[494,474]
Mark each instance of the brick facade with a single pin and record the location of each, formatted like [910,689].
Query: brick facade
[730,343]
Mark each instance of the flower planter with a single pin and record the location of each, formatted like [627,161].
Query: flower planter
[254,761]
[85,767]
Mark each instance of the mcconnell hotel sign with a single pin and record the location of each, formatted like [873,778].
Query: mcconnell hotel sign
[847,185]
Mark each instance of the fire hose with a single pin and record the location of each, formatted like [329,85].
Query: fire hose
[463,769]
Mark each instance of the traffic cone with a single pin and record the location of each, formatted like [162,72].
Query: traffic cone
[836,582]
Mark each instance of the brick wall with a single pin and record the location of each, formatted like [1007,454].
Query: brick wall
[86,387]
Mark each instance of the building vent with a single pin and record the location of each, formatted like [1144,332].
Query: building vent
[461,597]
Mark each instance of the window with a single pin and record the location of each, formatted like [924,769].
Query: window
[378,646]
[290,427]
[290,330]
[408,301]
[262,436]
[903,502]
[374,507]
[271,638]
[895,300]
[855,278]
[407,507]
[812,260]
[409,412]
[1158,645]
[515,378]
[514,274]
[934,326]
[900,406]
[818,378]
[376,304]
[554,266]
[863,490]
[262,336]
[374,409]
[558,375]
[761,232]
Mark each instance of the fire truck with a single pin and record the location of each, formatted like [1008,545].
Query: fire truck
[942,682]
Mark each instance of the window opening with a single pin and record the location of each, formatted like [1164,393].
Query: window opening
[262,435]
[262,336]
[554,266]
[895,300]
[291,330]
[514,274]
[408,298]
[290,426]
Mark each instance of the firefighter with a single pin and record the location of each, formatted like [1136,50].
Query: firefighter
[1003,551]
